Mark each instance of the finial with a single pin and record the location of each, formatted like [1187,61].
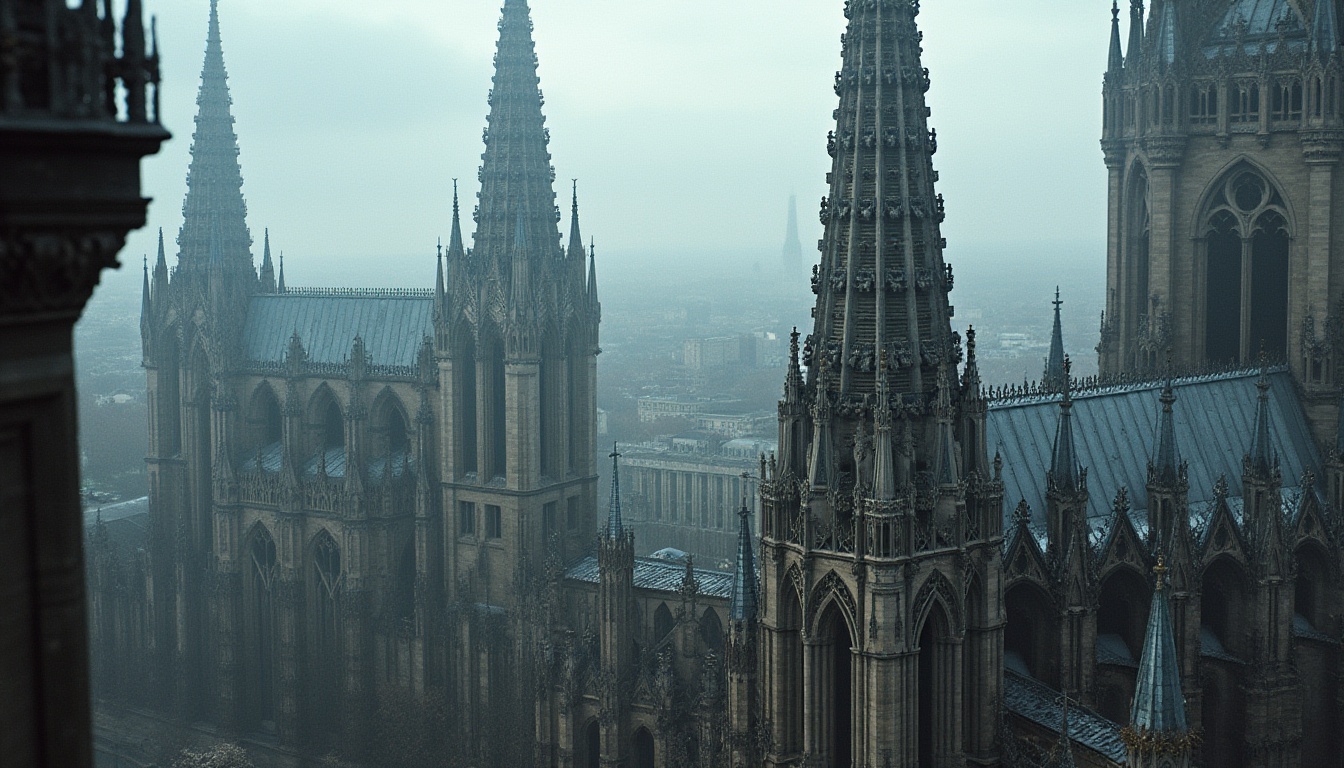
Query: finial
[1160,570]
[439,249]
[1057,302]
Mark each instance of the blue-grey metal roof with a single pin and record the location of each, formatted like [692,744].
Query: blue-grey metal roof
[118,511]
[1115,434]
[392,323]
[1264,19]
[1042,705]
[660,576]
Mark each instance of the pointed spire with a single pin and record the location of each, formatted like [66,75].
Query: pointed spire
[516,171]
[456,251]
[1165,47]
[592,272]
[615,529]
[1135,49]
[1262,456]
[970,376]
[576,249]
[746,594]
[1324,30]
[1053,379]
[280,281]
[267,267]
[1064,471]
[438,275]
[1159,706]
[1167,458]
[144,293]
[214,179]
[1117,58]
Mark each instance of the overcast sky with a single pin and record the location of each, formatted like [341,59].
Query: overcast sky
[687,122]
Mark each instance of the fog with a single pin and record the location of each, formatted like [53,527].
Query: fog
[687,123]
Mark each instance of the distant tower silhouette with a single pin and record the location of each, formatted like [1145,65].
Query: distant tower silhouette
[793,247]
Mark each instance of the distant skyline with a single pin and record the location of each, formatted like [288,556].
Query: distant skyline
[688,124]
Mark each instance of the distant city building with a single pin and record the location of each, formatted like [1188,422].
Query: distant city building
[719,351]
[683,492]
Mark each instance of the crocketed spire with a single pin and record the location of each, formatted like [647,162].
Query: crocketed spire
[1262,457]
[516,173]
[1158,711]
[615,529]
[267,266]
[1164,47]
[1324,29]
[1167,458]
[1053,379]
[214,179]
[882,283]
[1135,48]
[1064,472]
[746,593]
[1116,60]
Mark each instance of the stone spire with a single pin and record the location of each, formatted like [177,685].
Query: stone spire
[746,594]
[280,279]
[160,268]
[1116,60]
[214,178]
[1053,378]
[1167,457]
[793,247]
[793,415]
[1135,49]
[592,273]
[615,529]
[882,284]
[516,175]
[1157,717]
[267,266]
[456,251]
[144,300]
[1164,47]
[1324,30]
[1261,457]
[1064,471]
[576,254]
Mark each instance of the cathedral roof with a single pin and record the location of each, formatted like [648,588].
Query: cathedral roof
[660,576]
[393,324]
[1114,432]
[1038,703]
[1263,22]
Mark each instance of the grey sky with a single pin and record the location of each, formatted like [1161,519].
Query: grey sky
[687,122]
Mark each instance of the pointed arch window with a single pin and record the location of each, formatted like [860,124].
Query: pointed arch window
[1246,242]
[1245,107]
[1286,100]
[259,638]
[326,585]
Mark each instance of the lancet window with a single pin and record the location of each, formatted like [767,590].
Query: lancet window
[1246,239]
[1204,105]
[259,627]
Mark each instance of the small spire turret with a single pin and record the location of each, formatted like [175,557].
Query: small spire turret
[456,251]
[267,277]
[1324,30]
[1158,725]
[615,529]
[746,593]
[1054,374]
[1167,458]
[280,280]
[1261,457]
[1116,60]
[144,298]
[1064,470]
[1134,51]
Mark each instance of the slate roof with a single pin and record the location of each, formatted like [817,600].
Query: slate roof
[118,511]
[1263,19]
[1036,702]
[392,323]
[660,576]
[1114,431]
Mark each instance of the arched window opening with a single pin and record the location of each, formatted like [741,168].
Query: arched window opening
[1246,102]
[835,689]
[590,751]
[390,440]
[1286,101]
[1246,238]
[1316,100]
[643,749]
[259,630]
[789,644]
[937,691]
[169,398]
[264,429]
[464,380]
[1137,245]
[1222,609]
[1169,105]
[1223,646]
[1122,619]
[1204,105]
[494,400]
[1030,636]
[663,623]
[326,591]
[711,632]
[1269,286]
[1312,591]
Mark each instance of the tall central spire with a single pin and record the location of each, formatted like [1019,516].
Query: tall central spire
[882,285]
[214,179]
[516,173]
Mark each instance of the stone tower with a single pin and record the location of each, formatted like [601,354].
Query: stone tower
[516,321]
[879,611]
[190,333]
[1223,127]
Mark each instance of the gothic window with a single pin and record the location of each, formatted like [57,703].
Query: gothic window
[1312,596]
[326,434]
[323,620]
[1122,619]
[262,450]
[1245,105]
[259,628]
[1136,247]
[1028,638]
[663,623]
[643,749]
[466,518]
[389,439]
[572,513]
[1286,101]
[1169,105]
[498,412]
[937,731]
[711,631]
[588,752]
[1246,243]
[789,672]
[494,522]
[464,376]
[835,699]
[1225,623]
